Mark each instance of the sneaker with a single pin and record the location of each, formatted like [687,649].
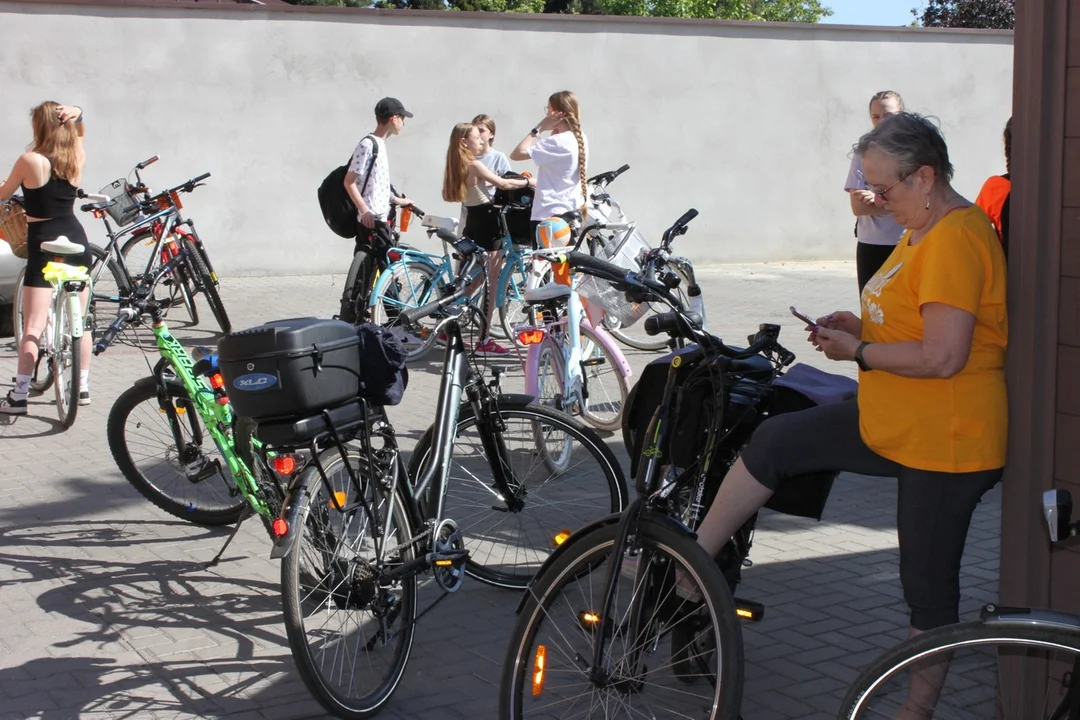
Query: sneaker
[84,397]
[10,406]
[490,347]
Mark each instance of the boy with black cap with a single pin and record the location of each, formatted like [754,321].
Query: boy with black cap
[368,184]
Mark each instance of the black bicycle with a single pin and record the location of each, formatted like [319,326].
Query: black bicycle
[590,627]
[359,528]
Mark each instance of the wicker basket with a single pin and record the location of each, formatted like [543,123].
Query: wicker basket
[13,228]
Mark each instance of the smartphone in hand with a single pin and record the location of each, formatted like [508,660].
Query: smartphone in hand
[808,321]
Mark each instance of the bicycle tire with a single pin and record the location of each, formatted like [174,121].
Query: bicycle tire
[208,285]
[293,577]
[535,415]
[146,391]
[400,277]
[587,414]
[583,555]
[948,639]
[41,376]
[66,392]
[98,309]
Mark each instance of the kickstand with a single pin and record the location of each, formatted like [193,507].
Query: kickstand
[236,528]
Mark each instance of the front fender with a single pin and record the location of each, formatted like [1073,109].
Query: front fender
[585,530]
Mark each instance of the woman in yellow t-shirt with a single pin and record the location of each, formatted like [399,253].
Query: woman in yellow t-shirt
[931,408]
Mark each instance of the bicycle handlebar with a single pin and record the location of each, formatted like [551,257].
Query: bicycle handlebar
[608,176]
[146,163]
[123,317]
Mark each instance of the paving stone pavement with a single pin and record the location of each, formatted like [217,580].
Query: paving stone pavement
[107,612]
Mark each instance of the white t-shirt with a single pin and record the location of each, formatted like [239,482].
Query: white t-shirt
[497,163]
[558,175]
[871,229]
[377,194]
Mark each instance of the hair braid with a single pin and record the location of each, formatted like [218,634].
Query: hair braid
[575,126]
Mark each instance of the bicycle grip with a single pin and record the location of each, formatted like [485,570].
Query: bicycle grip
[113,330]
[592,265]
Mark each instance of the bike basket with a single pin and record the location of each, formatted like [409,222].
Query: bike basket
[13,228]
[126,209]
[626,249]
[614,302]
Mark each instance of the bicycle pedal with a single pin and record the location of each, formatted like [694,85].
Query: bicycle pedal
[448,558]
[209,469]
[593,362]
[749,610]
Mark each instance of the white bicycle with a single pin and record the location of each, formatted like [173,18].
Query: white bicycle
[59,359]
[610,235]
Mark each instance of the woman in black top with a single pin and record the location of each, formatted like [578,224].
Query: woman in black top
[49,174]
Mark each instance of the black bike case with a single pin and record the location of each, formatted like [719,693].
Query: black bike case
[290,368]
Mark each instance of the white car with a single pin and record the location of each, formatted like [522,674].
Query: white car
[10,267]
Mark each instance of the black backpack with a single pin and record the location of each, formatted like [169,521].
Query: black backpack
[337,207]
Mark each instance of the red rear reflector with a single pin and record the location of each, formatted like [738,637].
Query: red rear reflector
[393,256]
[216,381]
[284,464]
[531,337]
[280,527]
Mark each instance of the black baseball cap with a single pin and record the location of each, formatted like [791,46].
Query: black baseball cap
[388,107]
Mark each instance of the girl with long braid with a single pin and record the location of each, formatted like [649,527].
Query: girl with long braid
[561,188]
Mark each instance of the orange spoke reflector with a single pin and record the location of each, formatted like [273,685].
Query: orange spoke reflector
[406,218]
[538,670]
[532,336]
[280,527]
[284,464]
[216,381]
[561,537]
[590,618]
[339,500]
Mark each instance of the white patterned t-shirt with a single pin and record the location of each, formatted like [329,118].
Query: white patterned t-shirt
[377,193]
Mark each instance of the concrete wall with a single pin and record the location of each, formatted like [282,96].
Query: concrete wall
[750,123]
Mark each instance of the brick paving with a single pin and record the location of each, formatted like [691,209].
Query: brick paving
[108,612]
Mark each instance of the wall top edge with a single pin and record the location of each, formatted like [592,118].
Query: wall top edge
[274,8]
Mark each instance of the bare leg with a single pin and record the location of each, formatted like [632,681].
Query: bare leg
[739,497]
[924,690]
[36,303]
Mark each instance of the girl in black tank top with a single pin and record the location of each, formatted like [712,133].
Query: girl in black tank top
[50,210]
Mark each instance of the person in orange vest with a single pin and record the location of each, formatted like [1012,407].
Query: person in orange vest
[994,196]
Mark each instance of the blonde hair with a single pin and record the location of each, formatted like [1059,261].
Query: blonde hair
[565,102]
[57,141]
[458,158]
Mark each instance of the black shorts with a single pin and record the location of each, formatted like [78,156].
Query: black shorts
[934,509]
[39,232]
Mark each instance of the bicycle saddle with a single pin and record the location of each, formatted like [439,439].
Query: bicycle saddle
[551,291]
[62,246]
[439,223]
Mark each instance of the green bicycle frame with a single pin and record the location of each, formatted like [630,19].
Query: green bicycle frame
[216,416]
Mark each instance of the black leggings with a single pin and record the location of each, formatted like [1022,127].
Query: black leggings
[39,232]
[933,512]
[869,259]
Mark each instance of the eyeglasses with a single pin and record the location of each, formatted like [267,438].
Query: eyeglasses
[882,193]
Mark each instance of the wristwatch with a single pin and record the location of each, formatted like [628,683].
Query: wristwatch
[534,132]
[859,357]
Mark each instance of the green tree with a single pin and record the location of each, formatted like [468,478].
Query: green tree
[995,14]
[804,11]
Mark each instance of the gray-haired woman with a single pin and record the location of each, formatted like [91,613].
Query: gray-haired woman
[931,408]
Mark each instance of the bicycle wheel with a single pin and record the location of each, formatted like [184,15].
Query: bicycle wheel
[547,672]
[108,285]
[507,544]
[66,360]
[350,633]
[409,285]
[41,377]
[193,484]
[983,670]
[603,383]
[207,283]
